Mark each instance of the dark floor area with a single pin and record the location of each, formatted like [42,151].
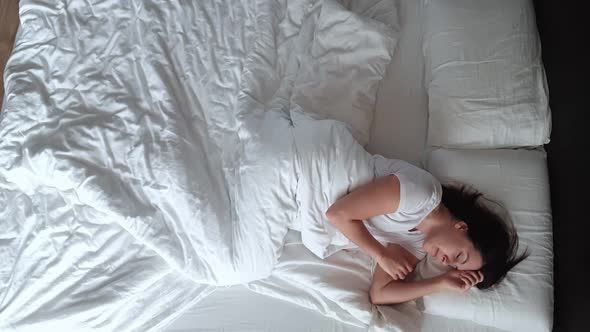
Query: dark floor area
[8,27]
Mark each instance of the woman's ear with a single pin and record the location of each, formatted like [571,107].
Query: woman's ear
[461,225]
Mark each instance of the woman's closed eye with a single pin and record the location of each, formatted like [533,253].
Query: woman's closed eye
[456,261]
[464,258]
[460,259]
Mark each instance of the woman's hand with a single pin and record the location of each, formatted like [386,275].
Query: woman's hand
[459,280]
[395,262]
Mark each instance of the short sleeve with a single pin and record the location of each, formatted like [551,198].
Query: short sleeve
[420,193]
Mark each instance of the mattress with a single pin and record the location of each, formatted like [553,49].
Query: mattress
[177,154]
[398,131]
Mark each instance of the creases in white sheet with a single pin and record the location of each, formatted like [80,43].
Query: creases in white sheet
[152,149]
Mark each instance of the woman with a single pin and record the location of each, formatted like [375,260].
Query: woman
[408,208]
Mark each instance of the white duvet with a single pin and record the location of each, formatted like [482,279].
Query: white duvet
[149,152]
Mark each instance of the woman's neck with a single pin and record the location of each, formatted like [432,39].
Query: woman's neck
[440,213]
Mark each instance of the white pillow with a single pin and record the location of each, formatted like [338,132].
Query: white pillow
[517,179]
[347,59]
[484,76]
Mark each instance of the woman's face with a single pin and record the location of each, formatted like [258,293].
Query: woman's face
[449,244]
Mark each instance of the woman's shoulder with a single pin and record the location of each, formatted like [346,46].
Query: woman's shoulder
[420,191]
[410,172]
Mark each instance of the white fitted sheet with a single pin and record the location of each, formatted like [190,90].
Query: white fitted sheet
[401,111]
[238,309]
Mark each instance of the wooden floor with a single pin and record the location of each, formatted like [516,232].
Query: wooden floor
[8,27]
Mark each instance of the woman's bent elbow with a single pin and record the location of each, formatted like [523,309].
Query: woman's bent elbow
[374,295]
[333,215]
[381,296]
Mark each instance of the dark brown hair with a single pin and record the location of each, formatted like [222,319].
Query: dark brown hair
[492,235]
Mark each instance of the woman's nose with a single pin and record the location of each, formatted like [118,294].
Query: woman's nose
[445,259]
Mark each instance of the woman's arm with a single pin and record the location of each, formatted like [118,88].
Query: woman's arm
[385,290]
[376,198]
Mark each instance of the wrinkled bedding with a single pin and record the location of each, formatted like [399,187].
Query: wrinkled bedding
[148,151]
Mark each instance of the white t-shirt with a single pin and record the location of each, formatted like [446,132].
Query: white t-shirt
[420,193]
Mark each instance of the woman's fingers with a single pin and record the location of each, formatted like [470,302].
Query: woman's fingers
[473,279]
[471,276]
[402,274]
[466,282]
[394,276]
[409,267]
[404,269]
[465,285]
[391,270]
[480,275]
[465,279]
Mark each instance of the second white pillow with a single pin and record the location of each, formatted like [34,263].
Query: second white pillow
[341,69]
[485,80]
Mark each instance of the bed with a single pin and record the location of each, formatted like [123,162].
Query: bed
[103,170]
